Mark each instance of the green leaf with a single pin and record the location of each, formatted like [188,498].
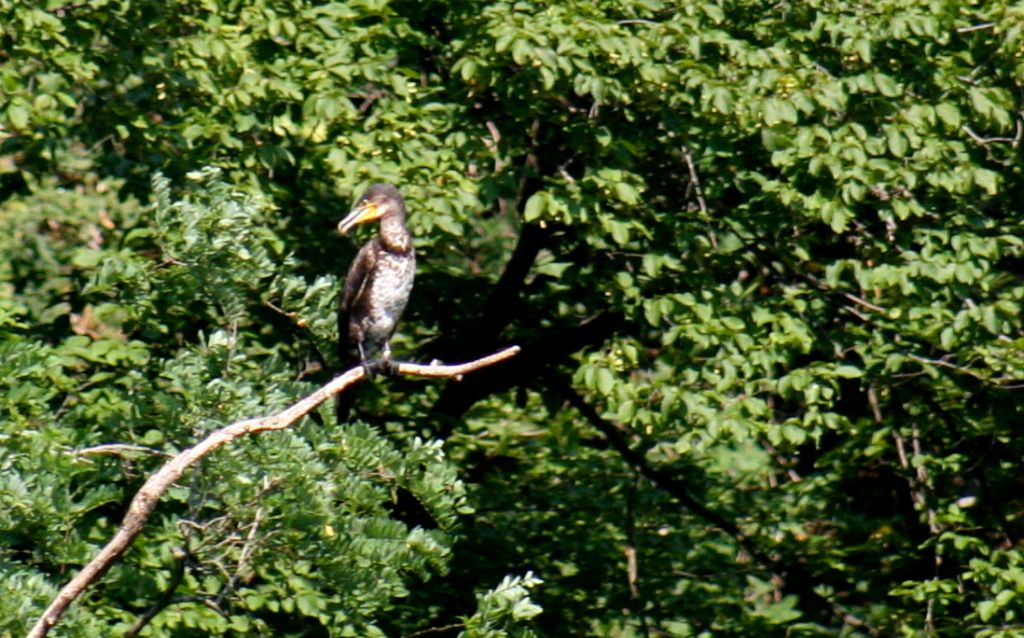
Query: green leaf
[779,111]
[626,193]
[987,179]
[949,114]
[605,381]
[848,372]
[467,70]
[535,207]
[18,115]
[886,85]
[897,142]
[986,610]
[947,338]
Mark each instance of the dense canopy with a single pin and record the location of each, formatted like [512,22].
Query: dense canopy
[764,262]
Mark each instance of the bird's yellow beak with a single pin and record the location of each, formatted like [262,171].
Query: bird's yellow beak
[363,213]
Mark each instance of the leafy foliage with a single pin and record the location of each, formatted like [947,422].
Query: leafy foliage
[764,263]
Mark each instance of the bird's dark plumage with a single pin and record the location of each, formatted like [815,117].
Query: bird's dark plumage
[377,285]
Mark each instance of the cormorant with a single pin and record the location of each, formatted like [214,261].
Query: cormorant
[377,285]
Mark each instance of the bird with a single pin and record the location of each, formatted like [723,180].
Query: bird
[377,286]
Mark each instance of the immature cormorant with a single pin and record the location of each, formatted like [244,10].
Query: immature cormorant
[377,286]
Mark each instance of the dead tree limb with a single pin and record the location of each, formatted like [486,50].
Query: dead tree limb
[150,493]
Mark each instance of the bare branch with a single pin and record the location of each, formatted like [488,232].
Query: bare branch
[149,495]
[455,371]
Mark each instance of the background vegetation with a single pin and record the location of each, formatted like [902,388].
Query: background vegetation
[764,260]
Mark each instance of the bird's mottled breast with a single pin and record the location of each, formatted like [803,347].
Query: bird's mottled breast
[389,292]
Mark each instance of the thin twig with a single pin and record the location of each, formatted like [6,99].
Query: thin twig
[698,191]
[985,141]
[492,146]
[976,27]
[67,9]
[166,598]
[695,180]
[946,364]
[783,462]
[922,475]
[860,301]
[918,483]
[248,548]
[971,78]
[294,317]
[856,313]
[631,552]
[118,448]
[876,411]
[435,630]
[632,573]
[149,495]
[822,68]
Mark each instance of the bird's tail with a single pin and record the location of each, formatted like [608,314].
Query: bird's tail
[344,401]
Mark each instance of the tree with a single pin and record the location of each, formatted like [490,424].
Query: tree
[764,265]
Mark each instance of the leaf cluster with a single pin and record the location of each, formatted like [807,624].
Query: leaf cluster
[765,265]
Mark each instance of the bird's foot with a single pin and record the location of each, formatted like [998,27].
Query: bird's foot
[373,367]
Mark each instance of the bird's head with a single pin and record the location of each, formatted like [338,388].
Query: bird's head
[380,200]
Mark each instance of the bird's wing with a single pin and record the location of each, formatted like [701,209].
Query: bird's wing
[356,284]
[358,275]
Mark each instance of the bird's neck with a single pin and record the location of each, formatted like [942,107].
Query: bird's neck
[394,235]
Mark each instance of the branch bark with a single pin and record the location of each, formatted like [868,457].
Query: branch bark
[149,494]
